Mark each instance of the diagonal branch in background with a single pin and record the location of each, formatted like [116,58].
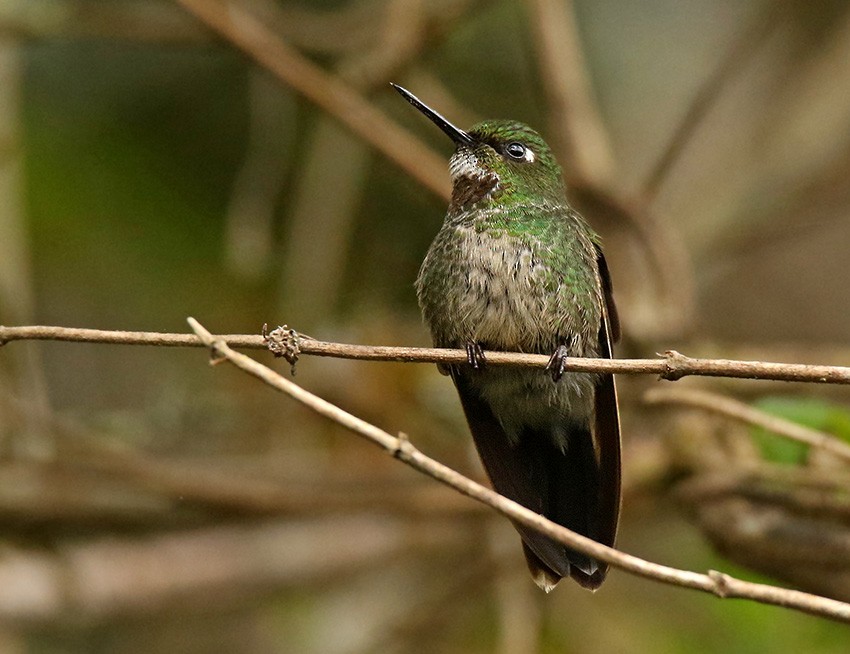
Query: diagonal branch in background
[580,137]
[313,271]
[583,147]
[330,93]
[672,366]
[714,582]
[740,53]
[736,410]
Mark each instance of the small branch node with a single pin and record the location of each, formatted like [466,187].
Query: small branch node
[404,449]
[673,365]
[722,587]
[283,342]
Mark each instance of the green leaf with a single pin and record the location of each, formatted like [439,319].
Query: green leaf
[809,412]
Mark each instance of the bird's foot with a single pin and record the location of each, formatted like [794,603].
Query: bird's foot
[475,355]
[556,364]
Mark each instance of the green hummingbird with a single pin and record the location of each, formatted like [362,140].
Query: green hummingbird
[516,268]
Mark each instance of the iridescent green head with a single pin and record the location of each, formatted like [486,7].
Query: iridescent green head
[497,161]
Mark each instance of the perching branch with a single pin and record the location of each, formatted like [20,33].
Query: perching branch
[671,365]
[714,582]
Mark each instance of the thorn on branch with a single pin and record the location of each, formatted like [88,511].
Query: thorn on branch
[674,365]
[283,342]
[721,583]
[404,448]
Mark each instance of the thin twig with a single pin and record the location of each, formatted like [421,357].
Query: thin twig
[714,582]
[744,413]
[330,93]
[672,366]
[738,55]
[84,335]
[810,492]
[578,131]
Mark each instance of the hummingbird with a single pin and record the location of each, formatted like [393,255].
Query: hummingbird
[515,267]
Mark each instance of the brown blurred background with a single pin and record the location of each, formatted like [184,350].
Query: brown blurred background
[151,169]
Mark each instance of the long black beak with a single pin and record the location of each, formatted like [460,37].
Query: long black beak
[455,134]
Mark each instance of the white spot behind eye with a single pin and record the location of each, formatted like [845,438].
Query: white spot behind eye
[519,152]
[516,150]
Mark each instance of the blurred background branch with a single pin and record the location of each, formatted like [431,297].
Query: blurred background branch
[330,93]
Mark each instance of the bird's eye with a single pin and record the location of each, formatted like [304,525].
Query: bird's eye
[516,150]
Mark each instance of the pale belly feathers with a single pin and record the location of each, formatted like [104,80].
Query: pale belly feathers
[496,291]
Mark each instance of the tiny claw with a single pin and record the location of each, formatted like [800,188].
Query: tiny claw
[556,363]
[475,355]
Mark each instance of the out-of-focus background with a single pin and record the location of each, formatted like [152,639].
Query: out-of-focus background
[151,169]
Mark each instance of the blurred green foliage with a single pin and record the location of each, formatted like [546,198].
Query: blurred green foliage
[822,415]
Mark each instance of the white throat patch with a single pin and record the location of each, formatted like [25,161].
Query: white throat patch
[465,164]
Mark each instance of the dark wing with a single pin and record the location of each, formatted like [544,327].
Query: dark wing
[563,486]
[608,294]
[607,425]
[518,472]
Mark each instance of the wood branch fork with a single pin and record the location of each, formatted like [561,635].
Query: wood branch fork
[400,447]
[672,365]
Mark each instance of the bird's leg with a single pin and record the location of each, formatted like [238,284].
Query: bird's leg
[475,355]
[556,363]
